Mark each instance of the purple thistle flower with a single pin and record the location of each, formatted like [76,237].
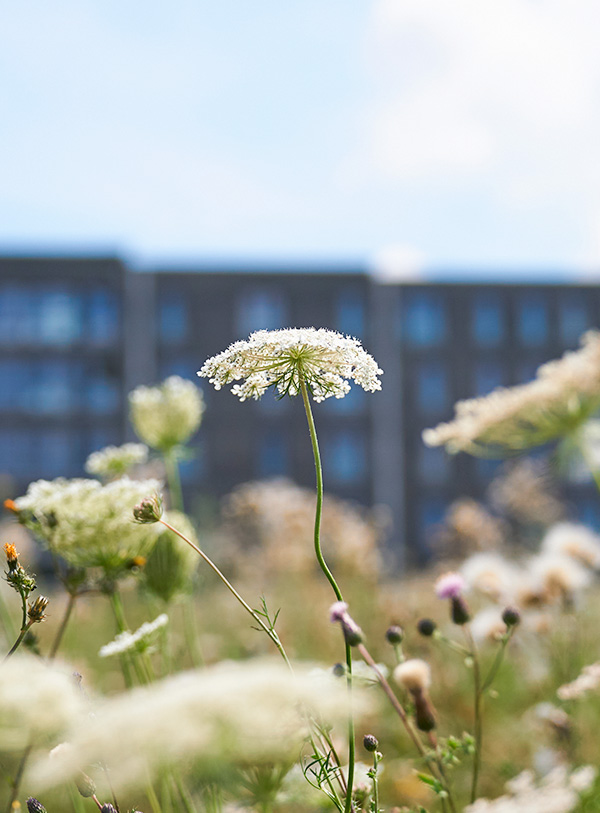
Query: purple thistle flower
[338,611]
[450,585]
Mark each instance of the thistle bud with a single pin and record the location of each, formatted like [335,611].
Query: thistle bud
[149,510]
[370,742]
[459,610]
[33,806]
[339,669]
[415,676]
[85,785]
[394,635]
[108,808]
[37,610]
[511,616]
[426,627]
[424,714]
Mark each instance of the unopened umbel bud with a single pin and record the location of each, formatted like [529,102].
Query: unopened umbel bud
[149,510]
[37,610]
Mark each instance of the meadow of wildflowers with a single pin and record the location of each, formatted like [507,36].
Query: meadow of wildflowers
[269,662]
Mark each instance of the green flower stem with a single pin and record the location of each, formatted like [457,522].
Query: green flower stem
[119,613]
[173,478]
[491,675]
[63,625]
[410,730]
[375,782]
[7,622]
[17,643]
[270,632]
[323,565]
[477,711]
[191,634]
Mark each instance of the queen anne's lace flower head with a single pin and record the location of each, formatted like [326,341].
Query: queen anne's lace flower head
[325,360]
[140,639]
[89,524]
[167,415]
[115,461]
[564,394]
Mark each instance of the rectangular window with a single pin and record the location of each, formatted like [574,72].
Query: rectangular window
[17,315]
[102,323]
[488,317]
[173,318]
[263,309]
[573,317]
[423,319]
[350,314]
[346,457]
[488,376]
[273,454]
[102,393]
[432,387]
[433,465]
[533,320]
[17,453]
[59,317]
[57,452]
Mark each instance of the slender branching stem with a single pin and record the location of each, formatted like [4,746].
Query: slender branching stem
[63,626]
[17,643]
[323,565]
[491,675]
[477,711]
[270,632]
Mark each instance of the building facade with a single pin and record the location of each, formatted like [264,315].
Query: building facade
[79,334]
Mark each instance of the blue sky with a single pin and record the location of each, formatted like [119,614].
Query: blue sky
[461,136]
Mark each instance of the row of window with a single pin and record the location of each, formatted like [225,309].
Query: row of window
[60,386]
[58,316]
[261,309]
[424,319]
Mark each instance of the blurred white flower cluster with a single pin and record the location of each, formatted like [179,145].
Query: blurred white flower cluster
[167,415]
[89,524]
[558,792]
[115,461]
[563,395]
[587,681]
[325,360]
[127,641]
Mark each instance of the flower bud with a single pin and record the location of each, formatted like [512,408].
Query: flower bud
[424,714]
[394,635]
[339,669]
[108,808]
[352,632]
[426,627]
[511,616]
[12,557]
[37,610]
[370,742]
[33,806]
[85,785]
[149,510]
[459,610]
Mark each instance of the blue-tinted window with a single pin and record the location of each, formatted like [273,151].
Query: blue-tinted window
[574,318]
[432,388]
[488,321]
[431,512]
[260,310]
[424,319]
[194,468]
[16,380]
[526,371]
[184,366]
[102,322]
[588,512]
[17,315]
[487,376]
[345,457]
[56,387]
[433,465]
[17,449]
[350,314]
[273,454]
[173,319]
[351,404]
[532,320]
[99,437]
[56,452]
[102,393]
[59,317]
[486,468]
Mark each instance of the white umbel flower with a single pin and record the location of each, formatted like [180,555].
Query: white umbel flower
[115,461]
[576,541]
[559,400]
[141,638]
[167,415]
[325,360]
[87,523]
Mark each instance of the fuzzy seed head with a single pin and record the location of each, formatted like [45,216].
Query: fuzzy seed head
[414,675]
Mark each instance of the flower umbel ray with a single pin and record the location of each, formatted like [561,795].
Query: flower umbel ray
[325,360]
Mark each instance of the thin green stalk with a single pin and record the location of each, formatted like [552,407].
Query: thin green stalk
[6,620]
[63,625]
[338,593]
[183,792]
[119,613]
[17,643]
[173,479]
[270,632]
[497,660]
[477,711]
[191,634]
